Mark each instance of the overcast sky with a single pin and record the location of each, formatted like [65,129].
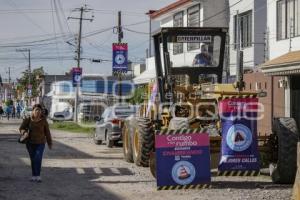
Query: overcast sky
[42,26]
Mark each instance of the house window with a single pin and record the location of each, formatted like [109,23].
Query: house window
[288,19]
[245,28]
[193,20]
[178,22]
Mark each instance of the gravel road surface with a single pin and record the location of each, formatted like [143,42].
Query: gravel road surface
[76,168]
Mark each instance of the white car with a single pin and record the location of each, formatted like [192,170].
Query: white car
[61,111]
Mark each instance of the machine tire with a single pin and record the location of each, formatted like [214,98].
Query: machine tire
[127,142]
[284,172]
[152,164]
[143,141]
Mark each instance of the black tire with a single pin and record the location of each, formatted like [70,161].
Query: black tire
[152,164]
[143,141]
[127,142]
[98,142]
[284,172]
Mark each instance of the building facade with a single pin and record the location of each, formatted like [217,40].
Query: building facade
[284,44]
[185,13]
[189,13]
[252,17]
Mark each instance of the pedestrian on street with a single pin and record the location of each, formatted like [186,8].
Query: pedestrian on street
[13,113]
[19,111]
[8,111]
[1,112]
[39,133]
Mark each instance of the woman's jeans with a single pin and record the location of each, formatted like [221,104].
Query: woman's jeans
[36,155]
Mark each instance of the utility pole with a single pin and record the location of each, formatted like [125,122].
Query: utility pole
[150,32]
[29,72]
[9,78]
[81,10]
[120,37]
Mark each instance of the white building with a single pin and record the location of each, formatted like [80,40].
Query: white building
[252,15]
[284,45]
[186,13]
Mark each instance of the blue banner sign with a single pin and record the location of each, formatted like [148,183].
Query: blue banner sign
[120,57]
[239,137]
[77,76]
[182,159]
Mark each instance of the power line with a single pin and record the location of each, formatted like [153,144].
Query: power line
[138,32]
[13,4]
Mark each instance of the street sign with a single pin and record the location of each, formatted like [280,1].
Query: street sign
[29,86]
[239,137]
[77,74]
[182,159]
[120,57]
[29,92]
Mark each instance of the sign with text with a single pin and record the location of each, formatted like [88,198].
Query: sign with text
[239,135]
[198,39]
[120,57]
[182,159]
[77,75]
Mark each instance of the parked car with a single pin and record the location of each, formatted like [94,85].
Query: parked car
[61,111]
[109,125]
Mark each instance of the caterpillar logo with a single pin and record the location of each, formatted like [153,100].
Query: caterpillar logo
[201,38]
[239,173]
[184,187]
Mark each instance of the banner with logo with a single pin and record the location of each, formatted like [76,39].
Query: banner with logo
[239,136]
[182,159]
[120,57]
[77,74]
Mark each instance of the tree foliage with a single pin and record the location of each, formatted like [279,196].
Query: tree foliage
[34,81]
[138,95]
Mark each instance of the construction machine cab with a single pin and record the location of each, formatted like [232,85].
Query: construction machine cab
[193,52]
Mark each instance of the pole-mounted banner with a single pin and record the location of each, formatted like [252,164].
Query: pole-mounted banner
[120,57]
[239,137]
[77,73]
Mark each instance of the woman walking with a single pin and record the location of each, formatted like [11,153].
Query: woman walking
[39,133]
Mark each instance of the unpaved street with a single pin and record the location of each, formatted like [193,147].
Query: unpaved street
[76,168]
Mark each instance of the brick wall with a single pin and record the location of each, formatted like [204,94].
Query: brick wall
[259,81]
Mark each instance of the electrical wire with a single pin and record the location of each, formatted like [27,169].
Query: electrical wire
[134,31]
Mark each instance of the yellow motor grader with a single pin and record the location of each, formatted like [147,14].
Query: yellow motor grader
[188,86]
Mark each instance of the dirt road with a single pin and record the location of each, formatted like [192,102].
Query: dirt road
[76,168]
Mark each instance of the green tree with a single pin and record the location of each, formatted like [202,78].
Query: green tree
[34,81]
[138,95]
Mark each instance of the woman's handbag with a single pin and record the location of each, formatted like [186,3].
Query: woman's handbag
[24,138]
